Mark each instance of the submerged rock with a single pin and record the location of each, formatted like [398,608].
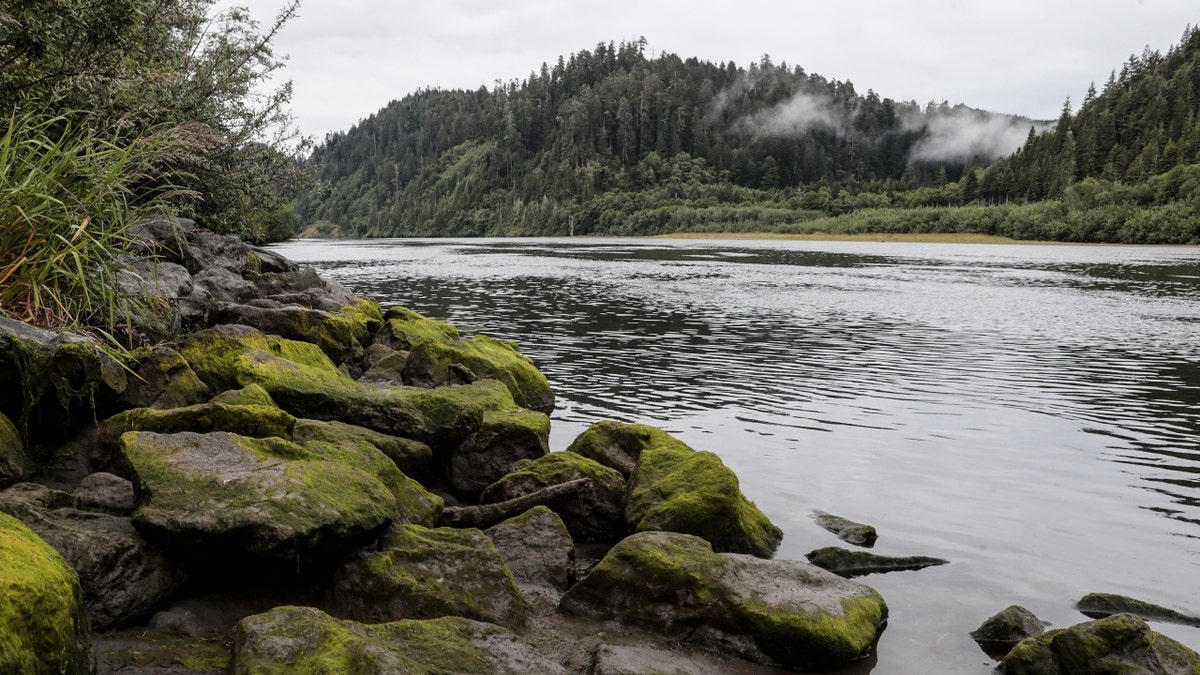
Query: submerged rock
[847,530]
[596,513]
[1100,605]
[782,612]
[847,563]
[423,573]
[43,627]
[1122,643]
[306,640]
[538,551]
[1000,633]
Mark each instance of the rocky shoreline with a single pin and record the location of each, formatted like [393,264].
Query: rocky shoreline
[294,479]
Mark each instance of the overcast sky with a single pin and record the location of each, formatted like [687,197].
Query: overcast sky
[348,58]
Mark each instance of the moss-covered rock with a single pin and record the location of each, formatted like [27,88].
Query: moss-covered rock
[251,394]
[265,496]
[388,369]
[538,550]
[414,458]
[339,334]
[677,489]
[404,329]
[15,465]
[597,513]
[353,446]
[290,640]
[423,573]
[1100,605]
[1122,643]
[781,612]
[214,353]
[618,445]
[847,530]
[998,634]
[43,627]
[165,380]
[504,437]
[847,563]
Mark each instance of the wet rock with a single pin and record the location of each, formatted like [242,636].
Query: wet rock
[596,513]
[165,380]
[339,334]
[122,575]
[538,551]
[423,573]
[1122,643]
[414,458]
[303,639]
[15,465]
[1100,605]
[504,438]
[677,489]
[105,492]
[847,563]
[847,530]
[618,445]
[781,612]
[43,625]
[1000,633]
[261,496]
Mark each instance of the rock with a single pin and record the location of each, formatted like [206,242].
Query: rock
[1100,605]
[847,563]
[122,575]
[251,394]
[159,285]
[339,334]
[639,660]
[618,445]
[677,489]
[265,261]
[105,492]
[305,640]
[15,465]
[176,621]
[165,380]
[538,551]
[303,287]
[414,458]
[435,347]
[847,530]
[43,626]
[222,285]
[260,496]
[423,573]
[504,438]
[597,513]
[1000,633]
[181,241]
[1122,643]
[782,612]
[414,504]
[388,369]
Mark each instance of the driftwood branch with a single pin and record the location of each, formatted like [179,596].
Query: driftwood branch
[486,515]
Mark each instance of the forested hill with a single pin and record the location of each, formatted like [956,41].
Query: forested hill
[611,141]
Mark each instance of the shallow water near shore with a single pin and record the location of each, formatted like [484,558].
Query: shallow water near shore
[1030,413]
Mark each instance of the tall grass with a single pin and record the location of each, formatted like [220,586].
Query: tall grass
[65,213]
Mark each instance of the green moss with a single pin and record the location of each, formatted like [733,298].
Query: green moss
[408,329]
[153,650]
[414,458]
[618,445]
[677,489]
[818,640]
[251,394]
[1122,643]
[255,421]
[214,353]
[42,624]
[15,465]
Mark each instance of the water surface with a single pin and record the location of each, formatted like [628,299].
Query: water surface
[1027,412]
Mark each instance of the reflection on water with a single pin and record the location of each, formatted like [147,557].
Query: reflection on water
[1029,412]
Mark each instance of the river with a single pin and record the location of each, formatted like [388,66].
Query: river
[1029,413]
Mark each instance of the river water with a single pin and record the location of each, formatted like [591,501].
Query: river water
[1029,413]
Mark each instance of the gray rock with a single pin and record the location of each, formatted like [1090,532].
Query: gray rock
[596,514]
[775,612]
[181,241]
[122,575]
[423,573]
[1100,605]
[1000,633]
[414,458]
[630,660]
[165,381]
[105,492]
[151,279]
[266,261]
[177,621]
[303,287]
[503,439]
[538,550]
[849,563]
[1122,643]
[225,285]
[847,530]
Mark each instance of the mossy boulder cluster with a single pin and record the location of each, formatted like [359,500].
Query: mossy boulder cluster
[278,474]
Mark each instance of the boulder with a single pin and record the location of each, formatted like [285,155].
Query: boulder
[222,285]
[265,261]
[339,334]
[305,640]
[251,394]
[414,458]
[43,625]
[122,575]
[260,496]
[158,286]
[165,380]
[847,563]
[775,612]
[386,369]
[1100,605]
[618,445]
[677,489]
[303,287]
[504,438]
[423,573]
[1122,643]
[538,551]
[596,513]
[847,530]
[181,241]
[105,492]
[15,465]
[999,634]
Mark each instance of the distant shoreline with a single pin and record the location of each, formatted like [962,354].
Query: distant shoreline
[916,237]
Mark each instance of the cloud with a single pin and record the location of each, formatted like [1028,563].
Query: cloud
[802,113]
[957,134]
